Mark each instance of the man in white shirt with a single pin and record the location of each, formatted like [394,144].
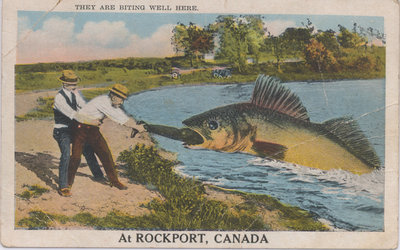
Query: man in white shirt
[85,129]
[66,103]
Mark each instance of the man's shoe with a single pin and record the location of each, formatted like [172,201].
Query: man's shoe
[66,192]
[119,185]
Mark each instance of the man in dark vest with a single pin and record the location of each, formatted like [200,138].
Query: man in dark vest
[66,103]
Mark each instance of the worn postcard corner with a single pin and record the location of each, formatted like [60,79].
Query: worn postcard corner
[213,124]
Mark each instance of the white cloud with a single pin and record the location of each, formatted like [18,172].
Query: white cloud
[56,41]
[277,27]
[158,44]
[40,45]
[104,34]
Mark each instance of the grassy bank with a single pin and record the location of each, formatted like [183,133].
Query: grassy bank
[186,205]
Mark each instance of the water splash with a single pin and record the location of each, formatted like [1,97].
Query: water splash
[369,185]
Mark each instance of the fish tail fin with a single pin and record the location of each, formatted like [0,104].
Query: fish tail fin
[348,131]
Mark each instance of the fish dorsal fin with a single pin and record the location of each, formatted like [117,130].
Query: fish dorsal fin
[349,132]
[270,94]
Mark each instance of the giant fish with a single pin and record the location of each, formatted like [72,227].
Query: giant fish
[275,124]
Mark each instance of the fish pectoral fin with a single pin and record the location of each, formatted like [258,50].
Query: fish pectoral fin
[273,150]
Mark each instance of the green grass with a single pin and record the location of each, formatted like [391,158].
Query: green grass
[290,217]
[92,93]
[41,220]
[37,220]
[32,191]
[44,110]
[185,205]
[36,81]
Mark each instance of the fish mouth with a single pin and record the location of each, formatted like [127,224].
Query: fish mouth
[187,135]
[191,137]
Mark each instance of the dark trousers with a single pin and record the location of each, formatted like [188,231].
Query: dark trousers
[86,134]
[64,139]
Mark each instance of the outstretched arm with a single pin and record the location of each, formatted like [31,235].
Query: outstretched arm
[131,123]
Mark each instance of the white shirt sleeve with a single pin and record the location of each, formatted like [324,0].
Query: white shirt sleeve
[61,105]
[115,114]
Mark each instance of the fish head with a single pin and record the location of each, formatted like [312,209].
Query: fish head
[220,129]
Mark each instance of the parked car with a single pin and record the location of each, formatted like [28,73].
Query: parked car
[175,73]
[221,73]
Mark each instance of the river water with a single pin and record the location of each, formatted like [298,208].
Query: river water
[348,201]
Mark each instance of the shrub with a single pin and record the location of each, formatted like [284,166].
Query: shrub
[365,63]
[43,110]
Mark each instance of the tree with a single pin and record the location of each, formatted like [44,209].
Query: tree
[370,34]
[255,36]
[291,43]
[192,40]
[278,47]
[238,38]
[349,39]
[318,57]
[233,36]
[296,39]
[328,39]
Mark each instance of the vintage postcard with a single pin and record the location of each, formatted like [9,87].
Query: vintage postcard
[188,124]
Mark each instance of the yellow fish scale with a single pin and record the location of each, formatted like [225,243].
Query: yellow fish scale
[309,148]
[222,141]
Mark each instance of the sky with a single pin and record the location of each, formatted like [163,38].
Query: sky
[78,36]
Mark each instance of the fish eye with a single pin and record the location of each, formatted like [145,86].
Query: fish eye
[213,125]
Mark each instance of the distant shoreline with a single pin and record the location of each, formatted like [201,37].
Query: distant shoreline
[100,85]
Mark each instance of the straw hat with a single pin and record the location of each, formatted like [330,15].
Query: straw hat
[69,77]
[120,90]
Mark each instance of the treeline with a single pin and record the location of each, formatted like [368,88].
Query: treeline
[236,39]
[159,65]
[245,44]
